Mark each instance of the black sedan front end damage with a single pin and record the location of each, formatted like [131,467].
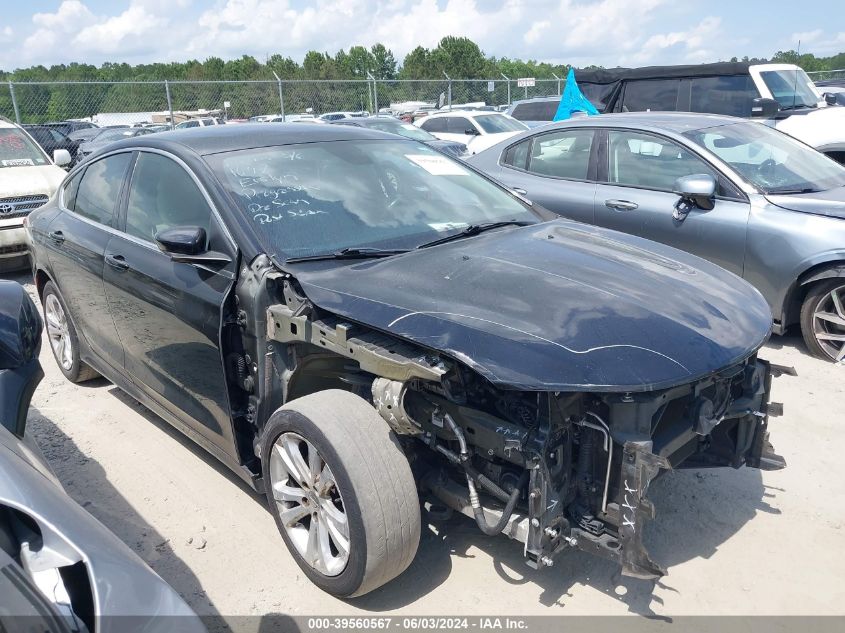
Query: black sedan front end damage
[551,469]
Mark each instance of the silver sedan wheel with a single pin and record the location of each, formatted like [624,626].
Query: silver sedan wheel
[829,323]
[57,331]
[309,503]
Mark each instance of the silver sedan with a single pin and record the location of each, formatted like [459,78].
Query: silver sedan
[741,194]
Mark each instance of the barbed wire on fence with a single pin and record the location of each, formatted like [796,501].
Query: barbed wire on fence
[128,102]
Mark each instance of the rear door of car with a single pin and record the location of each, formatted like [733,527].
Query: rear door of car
[637,173]
[76,244]
[555,169]
[169,314]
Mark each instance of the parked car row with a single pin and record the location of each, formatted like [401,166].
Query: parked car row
[360,301]
[782,95]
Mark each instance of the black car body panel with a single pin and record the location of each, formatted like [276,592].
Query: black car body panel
[586,309]
[547,344]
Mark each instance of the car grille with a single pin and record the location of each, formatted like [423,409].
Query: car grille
[19,206]
[16,248]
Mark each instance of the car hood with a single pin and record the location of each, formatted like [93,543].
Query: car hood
[555,306]
[831,202]
[30,180]
[819,127]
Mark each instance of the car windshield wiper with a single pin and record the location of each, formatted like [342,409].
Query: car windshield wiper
[475,229]
[787,191]
[349,253]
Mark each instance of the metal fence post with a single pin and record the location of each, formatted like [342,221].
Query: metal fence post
[508,82]
[558,83]
[448,90]
[281,94]
[169,103]
[375,92]
[15,103]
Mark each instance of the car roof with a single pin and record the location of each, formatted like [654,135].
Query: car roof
[214,139]
[612,75]
[677,122]
[463,113]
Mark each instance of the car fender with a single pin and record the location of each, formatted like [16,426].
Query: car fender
[823,266]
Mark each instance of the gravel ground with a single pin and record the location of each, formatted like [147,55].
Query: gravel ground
[735,542]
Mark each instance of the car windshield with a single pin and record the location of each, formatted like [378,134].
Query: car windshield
[770,160]
[791,88]
[318,198]
[497,123]
[402,129]
[17,150]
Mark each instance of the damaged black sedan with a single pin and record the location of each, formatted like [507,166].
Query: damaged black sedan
[350,320]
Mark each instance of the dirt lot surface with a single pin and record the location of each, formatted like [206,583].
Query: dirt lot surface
[735,542]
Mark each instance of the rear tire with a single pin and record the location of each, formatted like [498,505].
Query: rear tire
[62,337]
[823,320]
[370,482]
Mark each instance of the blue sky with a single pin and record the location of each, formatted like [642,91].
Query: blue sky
[580,32]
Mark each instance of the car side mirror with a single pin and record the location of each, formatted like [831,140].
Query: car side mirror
[188,244]
[830,98]
[471,131]
[20,342]
[762,108]
[61,157]
[696,190]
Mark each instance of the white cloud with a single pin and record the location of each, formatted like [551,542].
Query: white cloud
[579,32]
[690,44]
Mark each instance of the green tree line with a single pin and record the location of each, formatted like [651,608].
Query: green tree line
[458,57]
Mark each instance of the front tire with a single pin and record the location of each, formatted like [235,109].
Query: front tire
[823,320]
[64,341]
[341,491]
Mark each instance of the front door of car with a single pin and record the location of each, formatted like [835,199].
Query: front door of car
[76,243]
[555,170]
[636,195]
[169,314]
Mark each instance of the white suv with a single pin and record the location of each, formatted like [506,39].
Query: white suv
[28,178]
[477,129]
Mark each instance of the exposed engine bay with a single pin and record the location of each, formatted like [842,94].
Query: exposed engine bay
[553,470]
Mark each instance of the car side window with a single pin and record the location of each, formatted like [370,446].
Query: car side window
[723,95]
[434,125]
[163,195]
[100,187]
[563,154]
[70,191]
[458,125]
[517,155]
[651,94]
[642,160]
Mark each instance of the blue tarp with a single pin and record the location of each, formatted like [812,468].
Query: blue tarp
[573,100]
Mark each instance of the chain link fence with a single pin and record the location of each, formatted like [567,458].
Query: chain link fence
[825,75]
[136,102]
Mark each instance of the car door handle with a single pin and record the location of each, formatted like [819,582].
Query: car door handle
[57,236]
[621,205]
[519,190]
[117,262]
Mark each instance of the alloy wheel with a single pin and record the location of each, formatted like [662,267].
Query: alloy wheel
[57,331]
[309,503]
[829,323]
